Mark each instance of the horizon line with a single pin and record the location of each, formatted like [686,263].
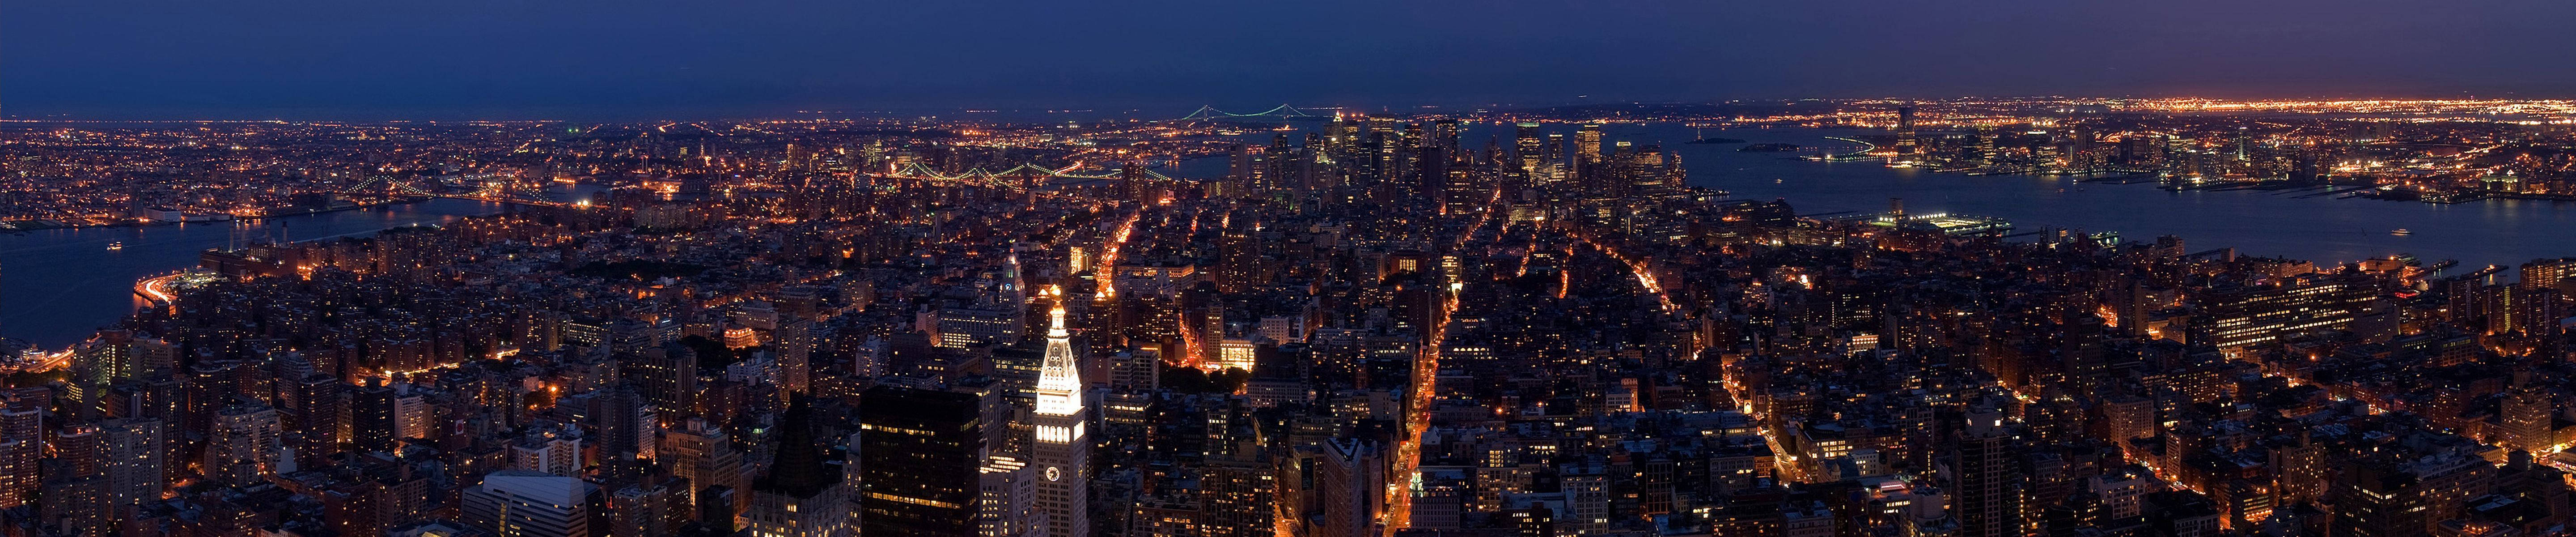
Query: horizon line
[1062,109]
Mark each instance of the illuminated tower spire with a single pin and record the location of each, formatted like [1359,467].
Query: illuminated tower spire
[1059,378]
[1062,448]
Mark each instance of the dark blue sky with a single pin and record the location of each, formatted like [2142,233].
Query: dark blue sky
[501,59]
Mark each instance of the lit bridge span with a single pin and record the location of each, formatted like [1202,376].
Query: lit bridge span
[1210,112]
[511,192]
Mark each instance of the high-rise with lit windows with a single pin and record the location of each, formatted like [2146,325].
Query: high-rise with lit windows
[1062,446]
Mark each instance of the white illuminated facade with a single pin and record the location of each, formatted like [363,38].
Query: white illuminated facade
[1062,447]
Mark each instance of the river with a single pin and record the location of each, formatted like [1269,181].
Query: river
[57,286]
[2260,223]
[2256,222]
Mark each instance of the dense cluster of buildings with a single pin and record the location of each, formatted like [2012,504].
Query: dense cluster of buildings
[78,174]
[71,174]
[2430,150]
[1367,327]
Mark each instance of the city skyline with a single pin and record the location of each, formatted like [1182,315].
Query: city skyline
[797,268]
[1363,326]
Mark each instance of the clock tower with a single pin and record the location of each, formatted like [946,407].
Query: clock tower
[1062,443]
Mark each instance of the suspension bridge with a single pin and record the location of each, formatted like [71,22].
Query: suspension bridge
[490,190]
[1283,111]
[1022,177]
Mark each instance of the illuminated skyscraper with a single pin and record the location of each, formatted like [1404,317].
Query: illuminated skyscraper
[1461,193]
[311,410]
[1527,146]
[2544,273]
[21,436]
[795,350]
[135,450]
[1587,143]
[1552,155]
[1988,487]
[1003,501]
[1986,145]
[245,446]
[1062,446]
[75,490]
[1442,134]
[1906,146]
[667,376]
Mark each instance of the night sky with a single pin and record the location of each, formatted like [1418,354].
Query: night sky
[617,59]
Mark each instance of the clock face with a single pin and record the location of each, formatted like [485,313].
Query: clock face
[1054,474]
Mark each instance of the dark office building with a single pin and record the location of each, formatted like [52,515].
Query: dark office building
[919,452]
